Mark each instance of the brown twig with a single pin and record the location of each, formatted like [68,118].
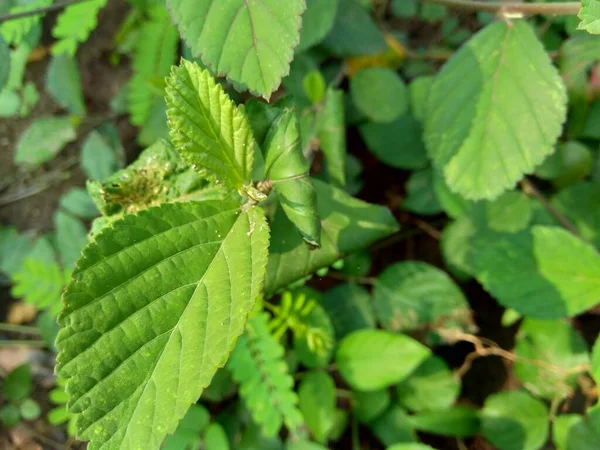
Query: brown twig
[486,347]
[512,8]
[532,191]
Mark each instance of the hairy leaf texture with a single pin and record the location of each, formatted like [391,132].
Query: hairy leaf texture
[207,127]
[74,26]
[250,41]
[287,169]
[495,111]
[258,365]
[155,306]
[155,53]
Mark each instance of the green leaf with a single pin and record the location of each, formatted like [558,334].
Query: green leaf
[78,202]
[349,307]
[373,359]
[589,14]
[367,406]
[460,421]
[398,144]
[71,237]
[580,203]
[317,22]
[155,53]
[318,403]
[332,136]
[5,57]
[418,91]
[98,158]
[171,278]
[314,86]
[573,432]
[250,42]
[432,386]
[30,409]
[215,438]
[305,445]
[394,427]
[562,354]
[64,83]
[354,33]
[40,283]
[43,140]
[420,193]
[413,295]
[545,273]
[207,128]
[74,25]
[10,415]
[14,31]
[514,419]
[18,383]
[494,111]
[14,248]
[187,434]
[287,169]
[380,94]
[405,9]
[266,386]
[412,446]
[348,224]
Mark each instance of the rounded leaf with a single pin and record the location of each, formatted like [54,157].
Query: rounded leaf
[380,94]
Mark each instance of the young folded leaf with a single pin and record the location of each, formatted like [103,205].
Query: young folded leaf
[156,304]
[207,127]
[287,169]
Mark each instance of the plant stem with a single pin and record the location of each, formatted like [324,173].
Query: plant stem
[532,191]
[512,7]
[15,343]
[35,12]
[19,329]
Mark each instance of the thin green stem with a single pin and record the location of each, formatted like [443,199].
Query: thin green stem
[508,8]
[35,12]
[19,329]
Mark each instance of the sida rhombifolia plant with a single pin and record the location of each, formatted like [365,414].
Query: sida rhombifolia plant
[202,228]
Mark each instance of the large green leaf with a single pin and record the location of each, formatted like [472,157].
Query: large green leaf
[589,14]
[317,403]
[250,41]
[545,272]
[349,307]
[374,359]
[332,136]
[495,111]
[317,21]
[156,304]
[207,128]
[348,224]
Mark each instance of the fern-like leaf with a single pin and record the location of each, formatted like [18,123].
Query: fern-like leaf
[155,53]
[40,283]
[14,31]
[74,25]
[257,364]
[207,128]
